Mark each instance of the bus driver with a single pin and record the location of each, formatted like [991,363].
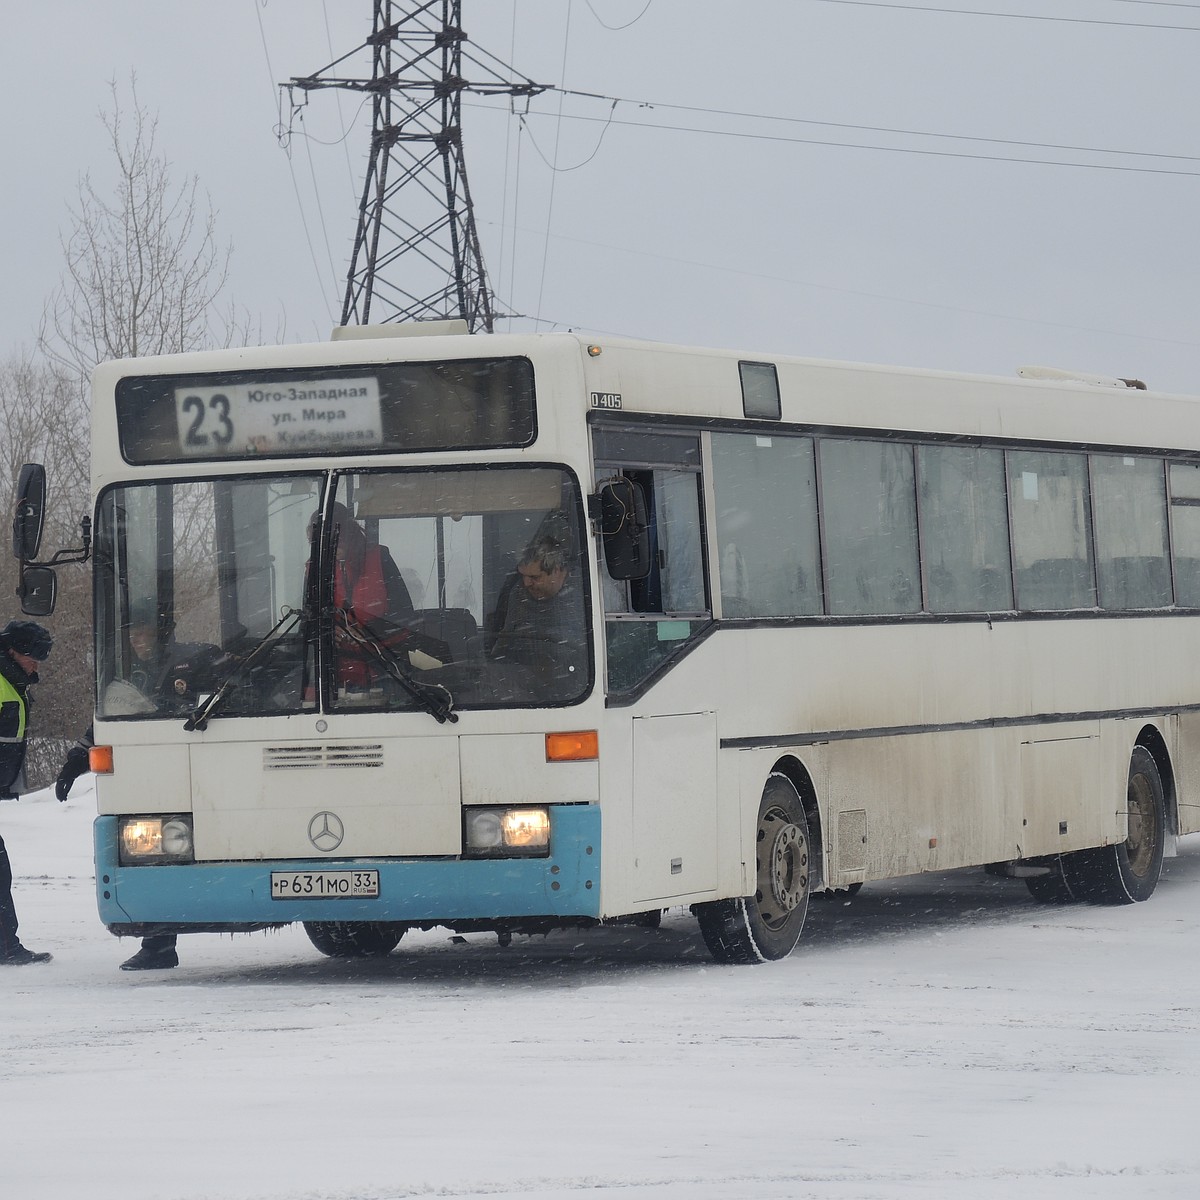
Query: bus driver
[542,622]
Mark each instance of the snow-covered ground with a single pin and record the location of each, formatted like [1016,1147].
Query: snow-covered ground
[940,1037]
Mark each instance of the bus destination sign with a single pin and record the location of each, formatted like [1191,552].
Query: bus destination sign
[279,418]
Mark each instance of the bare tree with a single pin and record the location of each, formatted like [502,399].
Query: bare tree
[143,268]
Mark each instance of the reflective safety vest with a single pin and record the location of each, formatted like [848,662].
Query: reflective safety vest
[10,695]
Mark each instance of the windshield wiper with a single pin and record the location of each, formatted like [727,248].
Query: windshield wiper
[434,698]
[204,710]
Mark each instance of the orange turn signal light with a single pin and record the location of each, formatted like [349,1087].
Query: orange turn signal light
[100,760]
[582,745]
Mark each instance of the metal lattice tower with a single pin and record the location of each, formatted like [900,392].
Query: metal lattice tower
[416,253]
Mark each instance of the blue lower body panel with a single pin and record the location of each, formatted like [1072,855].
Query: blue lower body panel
[229,895]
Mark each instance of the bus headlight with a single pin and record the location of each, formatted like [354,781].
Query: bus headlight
[506,832]
[155,839]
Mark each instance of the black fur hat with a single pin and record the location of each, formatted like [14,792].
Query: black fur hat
[27,637]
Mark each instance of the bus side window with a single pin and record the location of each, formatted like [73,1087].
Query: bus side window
[675,583]
[1184,481]
[869,495]
[765,488]
[964,529]
[1052,548]
[1130,514]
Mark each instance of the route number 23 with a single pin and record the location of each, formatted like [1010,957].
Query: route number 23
[209,423]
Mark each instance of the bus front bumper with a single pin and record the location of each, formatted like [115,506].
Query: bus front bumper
[218,896]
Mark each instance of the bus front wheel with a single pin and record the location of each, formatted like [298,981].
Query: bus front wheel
[767,925]
[1129,871]
[354,939]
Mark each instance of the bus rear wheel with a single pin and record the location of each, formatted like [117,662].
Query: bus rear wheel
[354,939]
[767,925]
[1129,871]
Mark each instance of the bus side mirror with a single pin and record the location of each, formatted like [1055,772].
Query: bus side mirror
[624,529]
[29,512]
[38,591]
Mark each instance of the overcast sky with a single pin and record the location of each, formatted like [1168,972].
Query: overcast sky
[869,205]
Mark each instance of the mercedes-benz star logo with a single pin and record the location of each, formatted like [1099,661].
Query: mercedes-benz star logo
[326,831]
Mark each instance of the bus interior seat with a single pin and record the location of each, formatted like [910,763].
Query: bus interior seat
[454,626]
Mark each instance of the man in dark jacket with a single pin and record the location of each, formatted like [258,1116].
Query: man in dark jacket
[543,622]
[23,644]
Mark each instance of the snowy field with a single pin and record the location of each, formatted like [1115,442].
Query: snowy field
[942,1037]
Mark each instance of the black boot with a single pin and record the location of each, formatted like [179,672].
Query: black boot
[20,956]
[152,958]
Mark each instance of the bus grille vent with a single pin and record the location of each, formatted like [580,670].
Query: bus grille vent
[341,754]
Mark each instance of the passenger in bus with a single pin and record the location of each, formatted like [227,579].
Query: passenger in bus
[368,588]
[543,622]
[23,644]
[366,580]
[161,674]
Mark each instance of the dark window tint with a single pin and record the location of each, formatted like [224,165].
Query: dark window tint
[760,390]
[641,447]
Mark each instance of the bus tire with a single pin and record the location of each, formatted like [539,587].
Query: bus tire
[767,925]
[1129,871]
[354,939]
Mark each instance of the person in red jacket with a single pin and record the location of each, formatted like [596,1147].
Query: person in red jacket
[368,588]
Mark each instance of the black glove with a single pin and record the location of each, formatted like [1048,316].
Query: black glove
[75,765]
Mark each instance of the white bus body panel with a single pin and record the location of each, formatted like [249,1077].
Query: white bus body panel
[402,800]
[923,796]
[674,806]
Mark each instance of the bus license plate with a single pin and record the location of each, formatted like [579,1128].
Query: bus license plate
[324,885]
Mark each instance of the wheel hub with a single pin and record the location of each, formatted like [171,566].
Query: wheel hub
[1139,844]
[788,867]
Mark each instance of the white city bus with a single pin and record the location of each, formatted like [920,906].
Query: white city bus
[821,624]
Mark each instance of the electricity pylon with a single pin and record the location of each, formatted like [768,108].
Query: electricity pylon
[416,253]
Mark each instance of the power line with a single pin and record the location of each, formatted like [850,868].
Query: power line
[972,12]
[960,154]
[554,176]
[750,116]
[627,24]
[312,252]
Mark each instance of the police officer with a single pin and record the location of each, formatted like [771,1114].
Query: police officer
[23,644]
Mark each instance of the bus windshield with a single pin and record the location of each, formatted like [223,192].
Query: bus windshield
[416,589]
